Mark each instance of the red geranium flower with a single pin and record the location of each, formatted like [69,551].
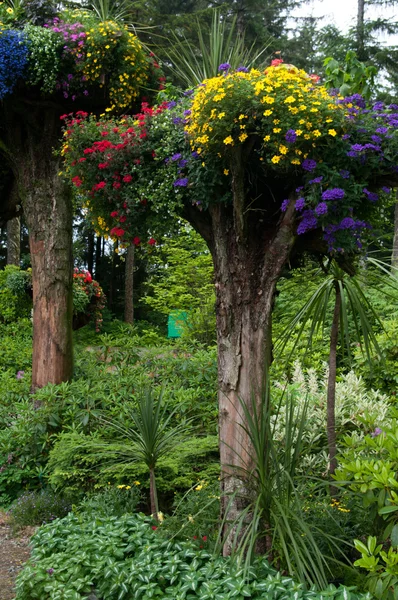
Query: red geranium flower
[136,241]
[114,214]
[152,242]
[127,178]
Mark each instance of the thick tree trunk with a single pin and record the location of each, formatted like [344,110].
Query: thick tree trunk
[394,256]
[129,286]
[331,393]
[14,241]
[47,205]
[246,274]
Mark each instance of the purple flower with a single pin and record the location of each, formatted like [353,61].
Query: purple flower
[176,157]
[376,139]
[371,195]
[177,120]
[171,104]
[224,67]
[194,154]
[386,190]
[50,571]
[70,76]
[181,182]
[376,432]
[308,164]
[291,136]
[300,204]
[345,174]
[85,92]
[346,136]
[393,107]
[382,130]
[347,223]
[316,180]
[308,222]
[357,147]
[20,374]
[333,194]
[187,113]
[321,209]
[284,205]
[378,106]
[188,93]
[183,163]
[242,70]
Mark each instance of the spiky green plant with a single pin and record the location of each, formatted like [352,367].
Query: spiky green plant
[192,64]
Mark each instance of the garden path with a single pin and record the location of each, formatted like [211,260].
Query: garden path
[14,552]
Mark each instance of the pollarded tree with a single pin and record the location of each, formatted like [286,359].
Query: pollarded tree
[263,165]
[45,71]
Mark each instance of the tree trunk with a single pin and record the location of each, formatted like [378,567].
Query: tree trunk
[47,204]
[394,257]
[361,29]
[98,246]
[245,280]
[90,252]
[331,393]
[153,494]
[14,241]
[129,286]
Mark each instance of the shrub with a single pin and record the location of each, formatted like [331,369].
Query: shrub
[125,557]
[37,508]
[112,501]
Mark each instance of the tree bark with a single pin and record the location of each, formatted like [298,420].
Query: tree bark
[331,393]
[33,133]
[14,241]
[129,286]
[246,273]
[90,252]
[394,257]
[361,29]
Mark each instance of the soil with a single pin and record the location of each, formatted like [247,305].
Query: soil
[14,551]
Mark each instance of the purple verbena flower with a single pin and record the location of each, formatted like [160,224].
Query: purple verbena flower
[300,204]
[291,136]
[308,164]
[284,205]
[333,194]
[371,195]
[181,182]
[224,67]
[344,174]
[20,374]
[176,157]
[321,209]
[242,70]
[307,223]
[316,180]
[376,432]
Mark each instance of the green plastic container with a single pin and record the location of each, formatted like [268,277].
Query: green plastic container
[175,323]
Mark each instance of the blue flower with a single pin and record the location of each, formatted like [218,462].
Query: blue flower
[333,194]
[14,53]
[181,182]
[321,209]
[308,164]
[224,67]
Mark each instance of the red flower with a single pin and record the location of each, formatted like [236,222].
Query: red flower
[114,214]
[82,114]
[117,231]
[127,178]
[204,538]
[88,278]
[314,78]
[103,165]
[99,185]
[276,62]
[154,527]
[152,242]
[82,159]
[77,181]
[88,151]
[136,241]
[116,185]
[122,219]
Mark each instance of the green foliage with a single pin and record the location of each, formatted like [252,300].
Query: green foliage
[183,279]
[111,501]
[44,57]
[193,62]
[353,77]
[124,557]
[382,567]
[14,300]
[38,508]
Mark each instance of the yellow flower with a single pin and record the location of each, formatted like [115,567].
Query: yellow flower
[332,132]
[243,137]
[242,117]
[226,171]
[267,138]
[316,133]
[269,99]
[275,159]
[221,115]
[198,488]
[276,129]
[283,149]
[229,140]
[160,517]
[121,487]
[137,483]
[9,10]
[290,99]
[295,161]
[276,121]
[128,487]
[191,519]
[267,113]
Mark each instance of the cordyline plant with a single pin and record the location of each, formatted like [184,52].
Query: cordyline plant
[263,165]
